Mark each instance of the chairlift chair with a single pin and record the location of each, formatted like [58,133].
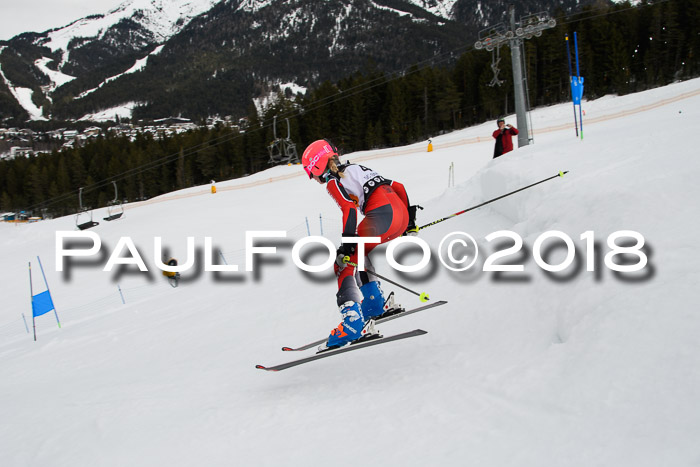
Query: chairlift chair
[85,224]
[115,210]
[282,150]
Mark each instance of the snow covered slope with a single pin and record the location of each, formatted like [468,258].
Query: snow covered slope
[23,96]
[519,369]
[437,7]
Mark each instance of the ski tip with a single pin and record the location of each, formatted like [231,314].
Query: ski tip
[261,367]
[288,349]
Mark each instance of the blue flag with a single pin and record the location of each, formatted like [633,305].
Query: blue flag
[42,303]
[577,89]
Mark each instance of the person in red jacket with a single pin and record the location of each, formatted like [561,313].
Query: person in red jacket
[503,137]
[387,214]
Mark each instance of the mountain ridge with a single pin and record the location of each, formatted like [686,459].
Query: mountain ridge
[216,48]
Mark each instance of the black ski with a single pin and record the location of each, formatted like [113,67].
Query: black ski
[348,348]
[381,320]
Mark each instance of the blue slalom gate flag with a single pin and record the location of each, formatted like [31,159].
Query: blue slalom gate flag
[577,89]
[42,303]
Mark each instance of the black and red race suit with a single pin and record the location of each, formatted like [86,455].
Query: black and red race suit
[383,203]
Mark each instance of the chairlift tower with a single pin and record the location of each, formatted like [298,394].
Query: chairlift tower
[494,37]
[282,150]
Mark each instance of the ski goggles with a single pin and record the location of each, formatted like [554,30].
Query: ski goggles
[325,176]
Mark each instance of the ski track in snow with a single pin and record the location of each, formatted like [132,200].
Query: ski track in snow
[139,65]
[57,78]
[24,98]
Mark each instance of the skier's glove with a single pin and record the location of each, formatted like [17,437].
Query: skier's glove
[412,229]
[346,249]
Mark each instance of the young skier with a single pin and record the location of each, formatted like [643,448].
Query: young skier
[387,214]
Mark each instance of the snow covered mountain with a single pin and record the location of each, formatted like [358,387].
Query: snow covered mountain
[243,43]
[92,49]
[150,21]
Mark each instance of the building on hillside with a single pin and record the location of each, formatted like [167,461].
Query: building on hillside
[14,217]
[19,151]
[92,132]
[70,134]
[17,140]
[56,134]
[172,121]
[121,127]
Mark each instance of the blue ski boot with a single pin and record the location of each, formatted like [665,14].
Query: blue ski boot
[352,328]
[374,305]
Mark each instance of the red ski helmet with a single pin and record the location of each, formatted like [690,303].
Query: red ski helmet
[316,155]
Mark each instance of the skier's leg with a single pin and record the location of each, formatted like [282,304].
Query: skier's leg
[349,299]
[348,289]
[386,217]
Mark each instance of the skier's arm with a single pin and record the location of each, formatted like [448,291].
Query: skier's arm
[513,130]
[400,190]
[346,204]
[496,134]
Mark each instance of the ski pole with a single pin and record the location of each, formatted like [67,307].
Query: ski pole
[560,174]
[568,55]
[424,297]
[578,75]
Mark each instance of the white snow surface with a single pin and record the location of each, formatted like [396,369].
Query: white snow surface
[519,369]
[253,6]
[441,8]
[140,64]
[57,78]
[110,114]
[393,10]
[262,103]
